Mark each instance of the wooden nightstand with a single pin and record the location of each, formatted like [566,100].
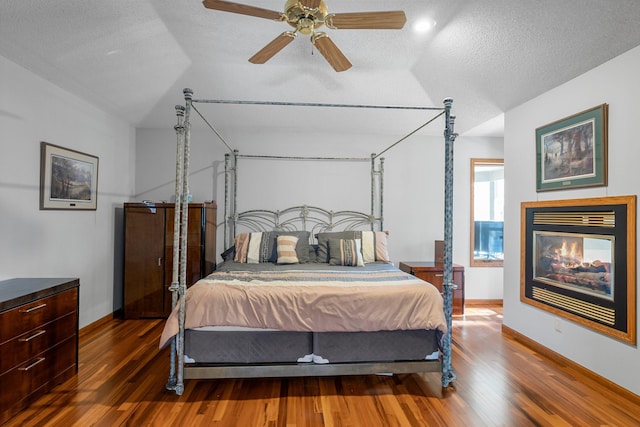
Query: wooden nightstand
[433,273]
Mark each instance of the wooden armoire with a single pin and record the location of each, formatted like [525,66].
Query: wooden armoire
[148,254]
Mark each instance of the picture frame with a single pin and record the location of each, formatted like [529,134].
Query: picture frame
[572,152]
[68,179]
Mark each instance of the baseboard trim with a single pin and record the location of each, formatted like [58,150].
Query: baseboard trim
[482,302]
[570,364]
[97,324]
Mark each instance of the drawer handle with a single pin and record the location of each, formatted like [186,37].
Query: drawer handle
[26,368]
[36,335]
[37,307]
[439,274]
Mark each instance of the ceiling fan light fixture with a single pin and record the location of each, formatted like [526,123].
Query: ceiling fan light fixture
[306,26]
[304,19]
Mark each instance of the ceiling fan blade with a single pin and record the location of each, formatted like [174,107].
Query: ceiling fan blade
[311,4]
[330,51]
[392,20]
[227,6]
[275,46]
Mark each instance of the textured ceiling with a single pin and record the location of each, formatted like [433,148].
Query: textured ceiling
[133,58]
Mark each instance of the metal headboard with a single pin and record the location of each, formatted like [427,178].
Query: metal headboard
[304,218]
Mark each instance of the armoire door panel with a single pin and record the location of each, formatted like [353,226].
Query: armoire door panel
[143,260]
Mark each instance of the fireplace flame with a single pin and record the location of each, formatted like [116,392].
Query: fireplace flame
[569,254]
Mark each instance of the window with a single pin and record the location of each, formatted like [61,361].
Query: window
[487,212]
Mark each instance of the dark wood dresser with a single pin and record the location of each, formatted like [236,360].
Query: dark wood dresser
[433,272]
[38,339]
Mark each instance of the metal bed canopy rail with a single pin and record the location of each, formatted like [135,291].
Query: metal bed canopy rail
[231,158]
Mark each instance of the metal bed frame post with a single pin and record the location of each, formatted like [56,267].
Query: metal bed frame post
[230,209]
[235,191]
[226,200]
[381,193]
[380,174]
[179,128]
[448,375]
[184,223]
[373,186]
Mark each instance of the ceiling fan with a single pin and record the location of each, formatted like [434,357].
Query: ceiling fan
[305,16]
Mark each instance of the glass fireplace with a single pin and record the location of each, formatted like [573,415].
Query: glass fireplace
[578,261]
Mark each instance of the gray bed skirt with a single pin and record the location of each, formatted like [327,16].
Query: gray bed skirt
[256,347]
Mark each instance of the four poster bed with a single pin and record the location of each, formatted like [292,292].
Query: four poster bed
[305,291]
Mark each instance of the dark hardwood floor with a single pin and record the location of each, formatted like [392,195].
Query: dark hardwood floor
[122,376]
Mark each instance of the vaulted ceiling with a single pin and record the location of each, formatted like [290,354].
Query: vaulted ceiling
[133,58]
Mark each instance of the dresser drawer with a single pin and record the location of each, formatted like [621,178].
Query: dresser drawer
[36,373]
[26,346]
[27,317]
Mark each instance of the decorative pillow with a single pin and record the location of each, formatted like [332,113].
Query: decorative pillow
[323,241]
[345,252]
[257,249]
[302,247]
[252,248]
[286,249]
[229,254]
[313,253]
[241,242]
[374,246]
[260,247]
[373,243]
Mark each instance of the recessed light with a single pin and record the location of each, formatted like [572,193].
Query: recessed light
[424,25]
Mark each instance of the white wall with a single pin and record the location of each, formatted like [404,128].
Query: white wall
[413,180]
[480,282]
[40,243]
[615,83]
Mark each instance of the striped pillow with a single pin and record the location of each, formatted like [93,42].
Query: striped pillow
[257,247]
[374,246]
[251,248]
[345,252]
[241,242]
[286,249]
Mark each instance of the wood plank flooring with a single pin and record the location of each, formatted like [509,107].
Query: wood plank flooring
[122,376]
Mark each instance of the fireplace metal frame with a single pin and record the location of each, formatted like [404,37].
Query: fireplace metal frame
[603,216]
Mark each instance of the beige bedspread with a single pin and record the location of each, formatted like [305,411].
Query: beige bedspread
[318,301]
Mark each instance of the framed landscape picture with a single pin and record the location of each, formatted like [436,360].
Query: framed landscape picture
[68,179]
[572,152]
